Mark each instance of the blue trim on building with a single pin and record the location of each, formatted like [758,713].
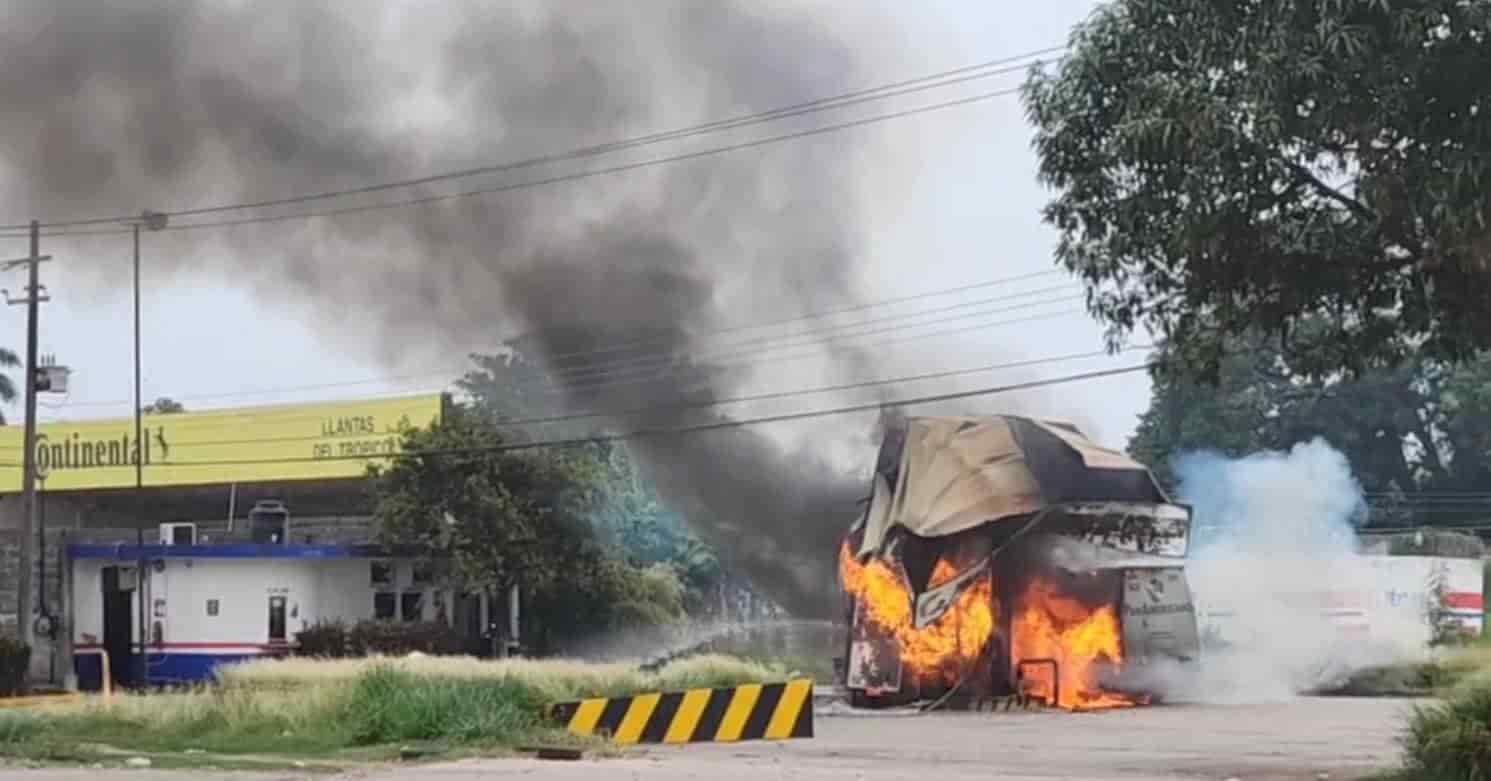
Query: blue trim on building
[123,552]
[168,668]
[164,668]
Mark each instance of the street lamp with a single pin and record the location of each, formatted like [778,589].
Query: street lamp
[153,221]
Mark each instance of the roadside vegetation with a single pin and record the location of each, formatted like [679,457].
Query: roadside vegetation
[1450,738]
[1449,668]
[290,712]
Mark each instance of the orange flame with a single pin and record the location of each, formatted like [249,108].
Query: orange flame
[1080,638]
[941,651]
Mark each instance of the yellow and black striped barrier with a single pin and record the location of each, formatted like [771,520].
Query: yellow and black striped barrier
[774,711]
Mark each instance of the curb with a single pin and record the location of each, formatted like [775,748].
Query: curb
[40,699]
[774,711]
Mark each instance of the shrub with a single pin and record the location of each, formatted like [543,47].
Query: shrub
[393,638]
[15,661]
[324,639]
[1451,739]
[390,705]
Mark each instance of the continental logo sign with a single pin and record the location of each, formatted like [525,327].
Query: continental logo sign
[255,444]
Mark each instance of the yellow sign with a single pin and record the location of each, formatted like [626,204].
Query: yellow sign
[248,445]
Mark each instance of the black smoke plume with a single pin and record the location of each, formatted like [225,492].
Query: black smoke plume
[113,108]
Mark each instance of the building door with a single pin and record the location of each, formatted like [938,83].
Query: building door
[276,620]
[468,623]
[118,599]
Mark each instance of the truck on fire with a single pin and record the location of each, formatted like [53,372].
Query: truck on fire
[1005,556]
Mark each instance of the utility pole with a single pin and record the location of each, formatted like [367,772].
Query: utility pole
[142,671]
[152,221]
[32,299]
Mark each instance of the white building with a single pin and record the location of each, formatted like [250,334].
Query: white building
[258,511]
[217,603]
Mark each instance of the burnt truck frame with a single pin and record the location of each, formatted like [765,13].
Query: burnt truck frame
[1122,553]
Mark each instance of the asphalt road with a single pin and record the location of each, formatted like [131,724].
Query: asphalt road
[1345,738]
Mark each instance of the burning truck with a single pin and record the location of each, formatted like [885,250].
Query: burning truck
[1006,556]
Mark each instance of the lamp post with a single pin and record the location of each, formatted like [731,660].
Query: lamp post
[151,221]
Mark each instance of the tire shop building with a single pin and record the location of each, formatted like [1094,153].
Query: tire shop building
[256,523]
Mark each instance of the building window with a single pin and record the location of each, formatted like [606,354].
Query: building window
[385,606]
[382,573]
[424,574]
[212,607]
[413,605]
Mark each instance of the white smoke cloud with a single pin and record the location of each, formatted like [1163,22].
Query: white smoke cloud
[1283,598]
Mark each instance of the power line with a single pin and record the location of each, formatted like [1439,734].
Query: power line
[931,81]
[596,384]
[700,405]
[617,346]
[703,427]
[581,175]
[634,379]
[1415,495]
[842,387]
[458,372]
[660,377]
[809,339]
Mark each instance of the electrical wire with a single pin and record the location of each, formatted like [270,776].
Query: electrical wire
[457,372]
[627,344]
[637,411]
[582,175]
[919,84]
[658,377]
[626,367]
[599,384]
[695,429]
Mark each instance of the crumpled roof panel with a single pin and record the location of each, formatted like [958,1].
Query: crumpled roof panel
[956,473]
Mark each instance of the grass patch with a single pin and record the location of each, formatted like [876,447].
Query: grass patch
[388,705]
[346,709]
[1451,667]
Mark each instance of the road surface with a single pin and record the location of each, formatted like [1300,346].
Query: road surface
[1346,738]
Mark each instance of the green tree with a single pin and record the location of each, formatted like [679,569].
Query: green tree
[498,517]
[629,517]
[163,406]
[1228,168]
[8,360]
[1420,426]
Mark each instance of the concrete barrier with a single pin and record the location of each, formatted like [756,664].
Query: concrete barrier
[774,711]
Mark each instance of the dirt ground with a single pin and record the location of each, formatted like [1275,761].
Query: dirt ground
[1345,738]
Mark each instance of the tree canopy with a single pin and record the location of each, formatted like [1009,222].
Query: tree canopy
[1422,426]
[507,389]
[576,527]
[163,406]
[1229,169]
[498,516]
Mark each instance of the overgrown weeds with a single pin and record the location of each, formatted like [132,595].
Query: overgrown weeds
[303,707]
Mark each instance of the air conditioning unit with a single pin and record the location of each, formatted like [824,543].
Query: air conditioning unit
[178,534]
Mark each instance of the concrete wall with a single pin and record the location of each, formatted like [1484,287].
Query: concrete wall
[1376,600]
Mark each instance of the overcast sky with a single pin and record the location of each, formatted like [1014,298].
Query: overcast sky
[953,202]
